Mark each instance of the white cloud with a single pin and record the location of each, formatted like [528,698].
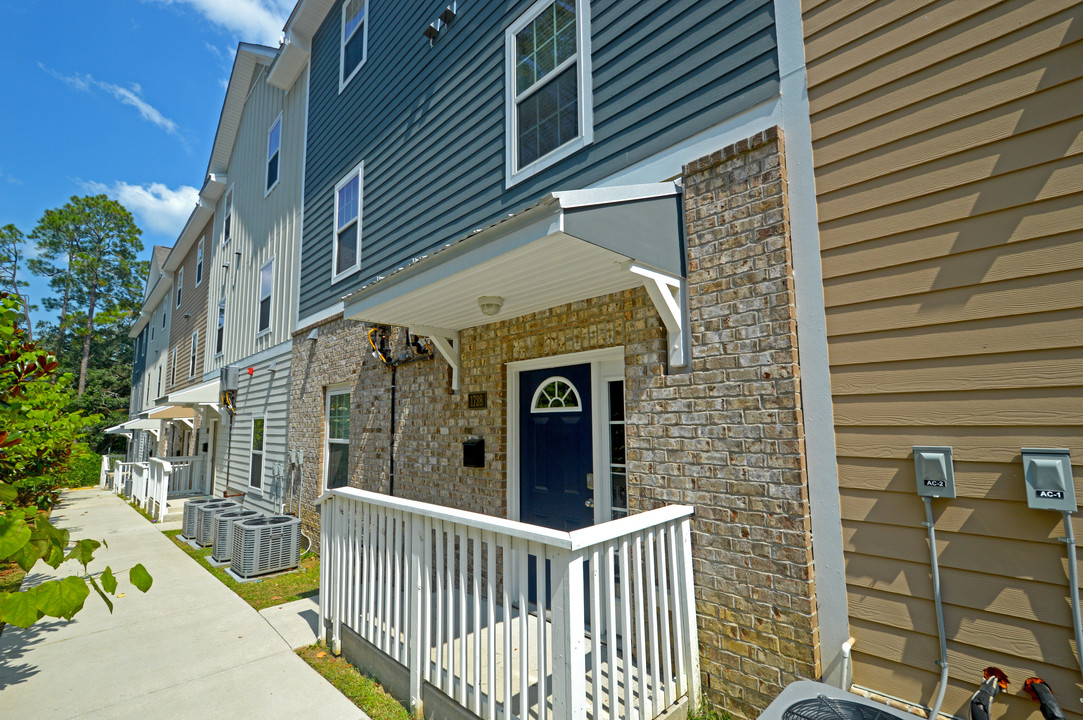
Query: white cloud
[156,207]
[258,21]
[127,96]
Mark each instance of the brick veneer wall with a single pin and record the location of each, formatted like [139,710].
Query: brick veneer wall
[725,436]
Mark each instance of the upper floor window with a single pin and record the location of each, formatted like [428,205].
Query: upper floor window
[274,143]
[173,369]
[266,286]
[221,329]
[549,101]
[180,289]
[192,355]
[346,254]
[355,32]
[199,263]
[227,223]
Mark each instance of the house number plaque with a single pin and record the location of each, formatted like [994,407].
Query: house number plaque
[477,400]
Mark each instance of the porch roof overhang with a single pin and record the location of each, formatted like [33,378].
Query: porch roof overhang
[168,412]
[118,430]
[202,395]
[568,246]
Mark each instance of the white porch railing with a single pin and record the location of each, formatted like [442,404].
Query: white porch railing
[109,463]
[610,631]
[122,478]
[168,477]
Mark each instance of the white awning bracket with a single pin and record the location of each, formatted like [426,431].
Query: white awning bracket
[447,343]
[665,292]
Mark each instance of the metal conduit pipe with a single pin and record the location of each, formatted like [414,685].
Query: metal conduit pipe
[1073,586]
[942,687]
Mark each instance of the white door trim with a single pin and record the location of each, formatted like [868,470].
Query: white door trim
[602,364]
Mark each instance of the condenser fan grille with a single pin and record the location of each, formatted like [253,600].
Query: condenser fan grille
[825,708]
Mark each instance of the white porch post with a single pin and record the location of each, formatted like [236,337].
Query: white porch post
[325,566]
[338,577]
[688,615]
[569,665]
[416,654]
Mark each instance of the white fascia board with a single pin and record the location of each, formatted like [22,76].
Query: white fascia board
[291,61]
[213,186]
[160,290]
[249,57]
[569,199]
[191,232]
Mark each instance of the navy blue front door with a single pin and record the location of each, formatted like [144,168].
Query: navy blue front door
[556,450]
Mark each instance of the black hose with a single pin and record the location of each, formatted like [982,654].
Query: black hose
[983,698]
[1039,690]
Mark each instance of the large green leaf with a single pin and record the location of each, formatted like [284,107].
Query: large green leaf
[19,608]
[109,581]
[75,592]
[8,493]
[14,533]
[103,596]
[140,577]
[28,554]
[83,552]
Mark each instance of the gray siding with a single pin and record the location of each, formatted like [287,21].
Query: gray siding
[429,122]
[264,394]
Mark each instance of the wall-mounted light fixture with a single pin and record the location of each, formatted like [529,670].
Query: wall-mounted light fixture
[433,29]
[490,304]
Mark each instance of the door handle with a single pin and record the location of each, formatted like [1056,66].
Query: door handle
[589,503]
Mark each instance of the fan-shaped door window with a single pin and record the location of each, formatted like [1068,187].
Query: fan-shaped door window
[556,394]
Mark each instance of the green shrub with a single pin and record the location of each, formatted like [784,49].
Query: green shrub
[84,468]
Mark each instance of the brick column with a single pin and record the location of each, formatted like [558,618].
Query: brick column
[727,436]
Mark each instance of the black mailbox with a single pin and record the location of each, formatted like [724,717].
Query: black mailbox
[474,453]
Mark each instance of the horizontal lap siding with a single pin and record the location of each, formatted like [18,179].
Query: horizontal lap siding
[949,172]
[429,122]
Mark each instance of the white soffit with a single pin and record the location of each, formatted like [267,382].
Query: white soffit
[152,425]
[204,394]
[569,246]
[249,58]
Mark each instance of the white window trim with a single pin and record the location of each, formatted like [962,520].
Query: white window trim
[331,391]
[262,456]
[218,353]
[200,258]
[514,175]
[359,171]
[179,293]
[227,214]
[278,122]
[173,369]
[556,378]
[260,296]
[192,355]
[343,81]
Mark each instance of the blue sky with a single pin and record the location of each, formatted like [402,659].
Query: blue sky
[120,97]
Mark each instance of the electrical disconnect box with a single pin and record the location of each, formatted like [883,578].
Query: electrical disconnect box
[934,471]
[229,379]
[1048,472]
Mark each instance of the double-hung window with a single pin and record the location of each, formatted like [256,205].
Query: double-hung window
[180,288]
[346,254]
[255,476]
[336,460]
[192,355]
[220,331]
[266,287]
[355,33]
[274,145]
[199,263]
[549,99]
[227,223]
[173,369]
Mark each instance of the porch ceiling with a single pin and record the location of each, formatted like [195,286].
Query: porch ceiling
[142,424]
[168,412]
[205,394]
[569,246]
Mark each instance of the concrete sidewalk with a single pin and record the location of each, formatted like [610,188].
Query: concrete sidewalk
[189,648]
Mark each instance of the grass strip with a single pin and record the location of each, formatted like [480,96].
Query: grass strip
[263,592]
[361,690]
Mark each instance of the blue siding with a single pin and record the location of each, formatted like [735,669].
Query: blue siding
[429,122]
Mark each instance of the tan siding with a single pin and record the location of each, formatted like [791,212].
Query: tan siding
[194,305]
[949,166]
